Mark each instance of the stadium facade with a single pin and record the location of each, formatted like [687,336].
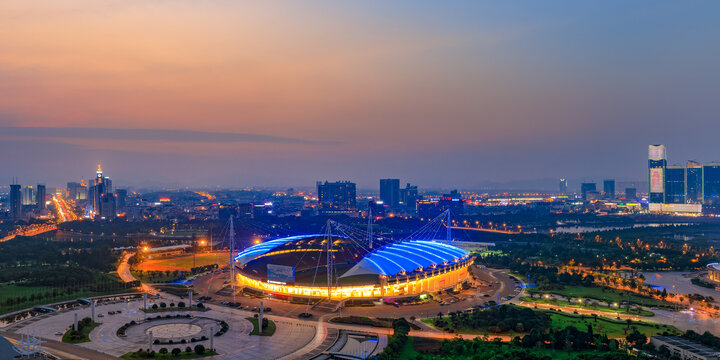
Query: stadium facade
[310,266]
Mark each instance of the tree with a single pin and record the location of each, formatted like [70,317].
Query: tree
[163,350]
[199,349]
[163,305]
[636,339]
[154,306]
[176,352]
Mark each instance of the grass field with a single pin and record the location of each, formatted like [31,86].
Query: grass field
[184,263]
[268,331]
[606,295]
[585,305]
[410,351]
[613,328]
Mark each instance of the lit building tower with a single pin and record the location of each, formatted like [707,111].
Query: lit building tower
[609,189]
[674,185]
[41,194]
[15,202]
[409,197]
[390,192]
[657,162]
[694,183]
[711,184]
[563,187]
[337,197]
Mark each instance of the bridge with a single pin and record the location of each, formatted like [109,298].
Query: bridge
[497,231]
[30,230]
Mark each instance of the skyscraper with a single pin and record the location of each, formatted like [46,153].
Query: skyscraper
[563,187]
[711,184]
[41,197]
[390,192]
[409,197]
[15,202]
[630,194]
[120,196]
[586,188]
[28,195]
[694,182]
[674,185]
[657,161]
[336,197]
[609,189]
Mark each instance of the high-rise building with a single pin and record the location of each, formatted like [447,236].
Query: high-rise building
[28,195]
[609,189]
[390,192]
[40,197]
[336,197]
[674,185]
[15,202]
[121,198]
[586,188]
[563,187]
[72,190]
[657,161]
[108,209]
[694,182]
[711,184]
[409,197]
[432,207]
[630,194]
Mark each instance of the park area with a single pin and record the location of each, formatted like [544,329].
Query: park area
[607,295]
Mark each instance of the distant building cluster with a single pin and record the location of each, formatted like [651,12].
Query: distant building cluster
[681,188]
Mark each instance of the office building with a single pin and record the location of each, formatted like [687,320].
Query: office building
[694,182]
[28,196]
[609,189]
[630,194]
[674,185]
[586,188]
[711,184]
[390,192]
[108,208]
[409,197]
[336,197]
[121,199]
[657,161]
[563,187]
[15,202]
[41,197]
[72,190]
[685,349]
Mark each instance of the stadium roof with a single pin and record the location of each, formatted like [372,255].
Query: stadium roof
[255,251]
[407,256]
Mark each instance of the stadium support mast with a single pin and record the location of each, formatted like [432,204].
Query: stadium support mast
[232,251]
[449,226]
[370,224]
[329,259]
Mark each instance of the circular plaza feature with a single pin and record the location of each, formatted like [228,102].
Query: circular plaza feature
[173,331]
[340,267]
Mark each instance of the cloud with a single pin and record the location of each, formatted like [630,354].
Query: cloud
[167,135]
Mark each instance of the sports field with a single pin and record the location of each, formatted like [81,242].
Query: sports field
[184,263]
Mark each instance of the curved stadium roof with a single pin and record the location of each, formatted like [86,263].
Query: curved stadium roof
[407,256]
[394,258]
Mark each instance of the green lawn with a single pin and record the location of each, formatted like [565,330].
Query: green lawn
[588,306]
[410,352]
[613,328]
[268,331]
[606,295]
[183,355]
[84,334]
[145,277]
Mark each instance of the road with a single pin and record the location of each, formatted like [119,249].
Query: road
[63,350]
[123,271]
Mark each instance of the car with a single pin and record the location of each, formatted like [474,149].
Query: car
[119,312]
[59,333]
[101,315]
[267,309]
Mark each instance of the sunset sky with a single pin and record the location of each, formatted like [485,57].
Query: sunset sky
[275,93]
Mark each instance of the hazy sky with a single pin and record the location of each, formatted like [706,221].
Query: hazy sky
[437,93]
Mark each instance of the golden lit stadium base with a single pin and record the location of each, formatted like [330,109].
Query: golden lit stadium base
[400,269]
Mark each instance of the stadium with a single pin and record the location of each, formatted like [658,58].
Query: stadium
[339,267]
